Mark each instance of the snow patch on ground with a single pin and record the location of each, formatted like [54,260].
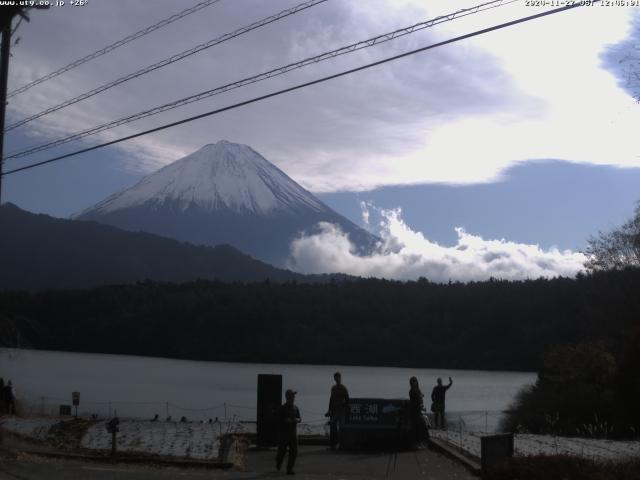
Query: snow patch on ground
[527,444]
[183,440]
[200,441]
[36,428]
[186,440]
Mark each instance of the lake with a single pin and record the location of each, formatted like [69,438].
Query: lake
[143,386]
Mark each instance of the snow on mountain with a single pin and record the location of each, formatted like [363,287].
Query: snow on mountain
[218,176]
[224,193]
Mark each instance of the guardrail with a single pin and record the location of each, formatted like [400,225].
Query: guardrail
[479,421]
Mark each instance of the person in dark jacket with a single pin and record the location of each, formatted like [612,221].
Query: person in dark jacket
[2,403]
[338,402]
[10,398]
[437,397]
[416,407]
[288,417]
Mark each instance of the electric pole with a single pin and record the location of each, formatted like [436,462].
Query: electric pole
[5,51]
[6,18]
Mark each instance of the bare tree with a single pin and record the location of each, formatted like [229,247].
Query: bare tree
[629,74]
[617,249]
[622,59]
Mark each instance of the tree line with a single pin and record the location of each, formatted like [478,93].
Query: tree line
[494,324]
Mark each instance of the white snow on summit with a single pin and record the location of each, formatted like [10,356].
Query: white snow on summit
[219,176]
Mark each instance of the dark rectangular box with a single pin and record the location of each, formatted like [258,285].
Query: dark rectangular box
[494,448]
[269,399]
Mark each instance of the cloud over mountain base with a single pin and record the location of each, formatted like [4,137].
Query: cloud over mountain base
[405,254]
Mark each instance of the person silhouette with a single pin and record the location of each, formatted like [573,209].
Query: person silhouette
[10,398]
[416,407]
[438,395]
[2,402]
[288,417]
[338,402]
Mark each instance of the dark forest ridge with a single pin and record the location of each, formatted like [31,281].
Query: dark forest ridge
[492,325]
[43,252]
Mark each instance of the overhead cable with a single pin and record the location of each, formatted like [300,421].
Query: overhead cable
[300,86]
[262,76]
[113,46]
[168,61]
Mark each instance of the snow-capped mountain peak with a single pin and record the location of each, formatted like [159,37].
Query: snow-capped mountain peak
[220,176]
[224,193]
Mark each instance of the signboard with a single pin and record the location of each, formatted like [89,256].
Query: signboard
[65,410]
[377,412]
[75,396]
[376,423]
[494,448]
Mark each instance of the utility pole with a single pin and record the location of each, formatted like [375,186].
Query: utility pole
[6,17]
[4,74]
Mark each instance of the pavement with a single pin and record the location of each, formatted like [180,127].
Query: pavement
[314,462]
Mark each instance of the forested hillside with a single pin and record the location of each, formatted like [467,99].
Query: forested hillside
[487,325]
[41,252]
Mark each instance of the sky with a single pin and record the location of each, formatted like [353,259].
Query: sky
[526,136]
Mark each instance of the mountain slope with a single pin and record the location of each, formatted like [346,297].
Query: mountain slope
[43,252]
[224,193]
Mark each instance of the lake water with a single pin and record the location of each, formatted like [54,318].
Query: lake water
[142,386]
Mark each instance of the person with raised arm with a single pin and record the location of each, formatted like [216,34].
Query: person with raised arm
[438,395]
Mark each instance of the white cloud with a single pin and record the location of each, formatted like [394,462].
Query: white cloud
[406,254]
[461,113]
[346,134]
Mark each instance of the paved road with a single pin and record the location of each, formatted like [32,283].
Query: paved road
[313,463]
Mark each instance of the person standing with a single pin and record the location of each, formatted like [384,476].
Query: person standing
[416,407]
[437,407]
[2,402]
[288,417]
[10,398]
[338,402]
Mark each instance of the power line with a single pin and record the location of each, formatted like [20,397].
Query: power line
[301,85]
[15,29]
[263,76]
[113,46]
[170,60]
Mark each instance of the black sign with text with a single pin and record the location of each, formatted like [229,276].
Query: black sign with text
[377,412]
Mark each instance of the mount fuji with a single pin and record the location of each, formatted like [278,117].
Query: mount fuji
[224,193]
